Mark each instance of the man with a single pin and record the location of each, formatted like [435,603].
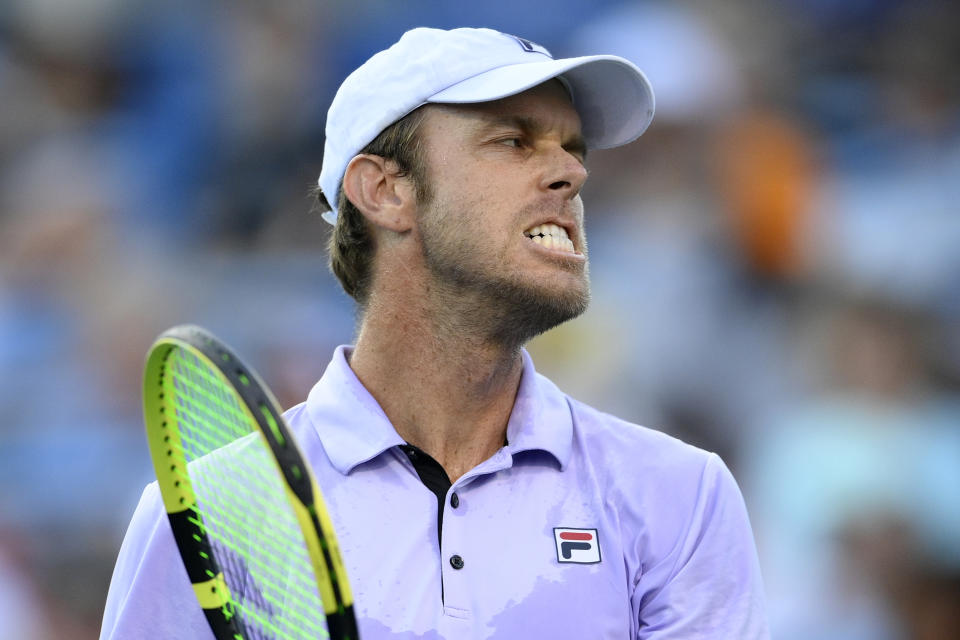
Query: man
[473,499]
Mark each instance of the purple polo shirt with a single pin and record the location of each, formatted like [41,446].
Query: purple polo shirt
[582,526]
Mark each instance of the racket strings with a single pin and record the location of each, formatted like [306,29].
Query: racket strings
[242,506]
[242,559]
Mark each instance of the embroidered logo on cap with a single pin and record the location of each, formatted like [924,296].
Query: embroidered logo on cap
[530,46]
[577,545]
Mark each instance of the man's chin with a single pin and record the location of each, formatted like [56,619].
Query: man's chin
[528,312]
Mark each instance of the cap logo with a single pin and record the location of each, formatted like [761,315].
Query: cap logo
[530,46]
[580,546]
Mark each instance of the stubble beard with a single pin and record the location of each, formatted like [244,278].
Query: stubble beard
[475,294]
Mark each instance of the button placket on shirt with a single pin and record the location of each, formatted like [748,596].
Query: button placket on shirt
[455,557]
[453,502]
[458,573]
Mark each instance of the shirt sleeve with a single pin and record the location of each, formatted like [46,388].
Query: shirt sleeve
[709,584]
[150,594]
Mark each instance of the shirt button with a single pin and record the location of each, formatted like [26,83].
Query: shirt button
[454,501]
[456,562]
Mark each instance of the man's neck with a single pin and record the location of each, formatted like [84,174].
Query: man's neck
[444,393]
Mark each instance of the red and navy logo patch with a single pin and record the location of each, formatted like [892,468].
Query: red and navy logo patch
[581,546]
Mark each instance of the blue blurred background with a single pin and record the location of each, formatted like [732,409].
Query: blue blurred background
[776,266]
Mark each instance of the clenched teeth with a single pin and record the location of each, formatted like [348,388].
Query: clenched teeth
[550,236]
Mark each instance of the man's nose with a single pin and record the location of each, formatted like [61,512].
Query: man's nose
[565,173]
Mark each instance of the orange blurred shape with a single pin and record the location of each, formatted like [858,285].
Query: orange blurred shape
[766,174]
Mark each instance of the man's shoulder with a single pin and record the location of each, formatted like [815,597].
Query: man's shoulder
[662,488]
[295,414]
[629,446]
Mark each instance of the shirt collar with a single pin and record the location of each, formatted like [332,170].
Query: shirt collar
[351,425]
[354,429]
[541,418]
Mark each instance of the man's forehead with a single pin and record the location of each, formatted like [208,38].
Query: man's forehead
[547,105]
[553,92]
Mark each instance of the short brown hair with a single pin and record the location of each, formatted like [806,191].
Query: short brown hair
[350,247]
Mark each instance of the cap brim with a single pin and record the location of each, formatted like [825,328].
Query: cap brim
[612,96]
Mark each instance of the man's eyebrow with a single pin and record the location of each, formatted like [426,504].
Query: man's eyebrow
[574,143]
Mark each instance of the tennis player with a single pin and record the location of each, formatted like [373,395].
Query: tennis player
[472,497]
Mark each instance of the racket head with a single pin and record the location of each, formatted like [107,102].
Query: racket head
[248,518]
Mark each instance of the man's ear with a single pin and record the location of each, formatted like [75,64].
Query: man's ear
[377,189]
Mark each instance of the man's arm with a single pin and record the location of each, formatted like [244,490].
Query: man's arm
[150,594]
[709,584]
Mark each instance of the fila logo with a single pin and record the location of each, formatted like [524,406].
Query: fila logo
[577,545]
[529,46]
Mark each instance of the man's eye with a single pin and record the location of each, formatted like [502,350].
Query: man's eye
[513,142]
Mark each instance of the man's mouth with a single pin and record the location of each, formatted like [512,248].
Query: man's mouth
[551,236]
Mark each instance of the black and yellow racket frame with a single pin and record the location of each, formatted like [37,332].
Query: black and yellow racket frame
[180,501]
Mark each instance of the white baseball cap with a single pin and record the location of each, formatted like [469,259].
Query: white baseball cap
[612,96]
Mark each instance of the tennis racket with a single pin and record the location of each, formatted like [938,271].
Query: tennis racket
[248,518]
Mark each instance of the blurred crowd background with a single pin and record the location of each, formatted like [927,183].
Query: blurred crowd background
[776,266]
